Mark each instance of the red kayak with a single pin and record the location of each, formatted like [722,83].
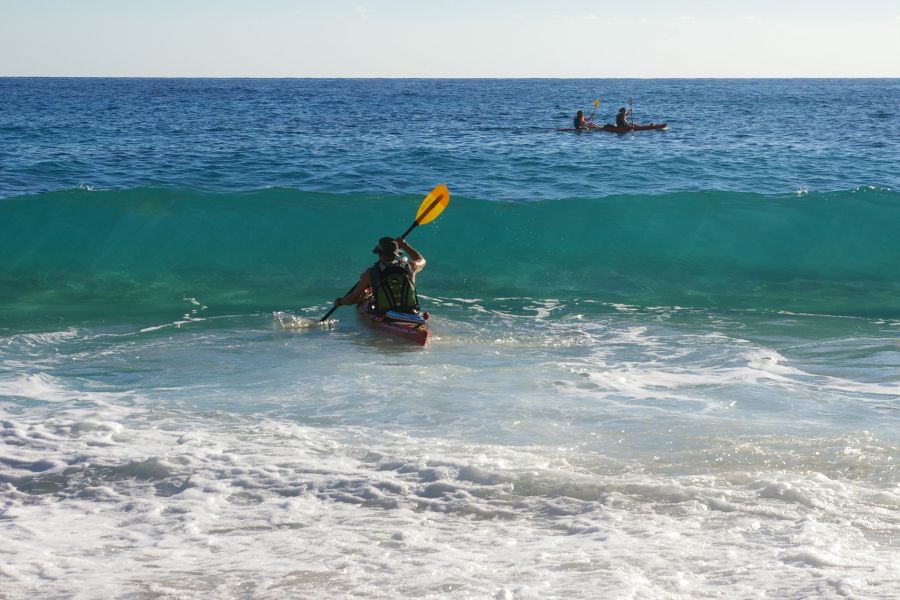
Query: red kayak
[412,327]
[649,127]
[613,129]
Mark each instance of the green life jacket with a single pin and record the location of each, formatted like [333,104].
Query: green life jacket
[393,287]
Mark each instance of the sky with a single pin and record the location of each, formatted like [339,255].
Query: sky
[450,38]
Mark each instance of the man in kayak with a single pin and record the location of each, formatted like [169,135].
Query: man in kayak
[581,123]
[392,280]
[622,118]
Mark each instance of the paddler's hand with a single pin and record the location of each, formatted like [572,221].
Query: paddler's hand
[337,301]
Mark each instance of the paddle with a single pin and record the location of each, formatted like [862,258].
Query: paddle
[432,206]
[596,104]
[631,110]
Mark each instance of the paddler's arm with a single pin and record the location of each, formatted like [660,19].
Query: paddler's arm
[354,296]
[416,260]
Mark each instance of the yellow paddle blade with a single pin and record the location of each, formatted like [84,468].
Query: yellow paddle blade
[433,205]
[596,102]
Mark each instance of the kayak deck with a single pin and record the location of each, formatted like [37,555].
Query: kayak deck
[417,332]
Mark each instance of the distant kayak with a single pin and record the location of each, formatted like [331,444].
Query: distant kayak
[412,327]
[614,129]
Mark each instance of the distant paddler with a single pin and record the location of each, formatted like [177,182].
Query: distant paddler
[622,119]
[581,123]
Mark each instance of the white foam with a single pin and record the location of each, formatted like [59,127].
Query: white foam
[47,388]
[289,510]
[293,322]
[621,457]
[652,368]
[34,340]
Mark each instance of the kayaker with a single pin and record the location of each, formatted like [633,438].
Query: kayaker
[622,118]
[581,123]
[391,279]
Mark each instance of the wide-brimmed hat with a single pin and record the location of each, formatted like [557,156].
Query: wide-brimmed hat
[387,246]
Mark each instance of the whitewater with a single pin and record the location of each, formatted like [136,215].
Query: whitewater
[664,365]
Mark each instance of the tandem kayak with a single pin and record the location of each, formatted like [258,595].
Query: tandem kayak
[613,129]
[412,327]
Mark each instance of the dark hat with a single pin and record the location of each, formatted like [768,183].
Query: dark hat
[622,109]
[387,247]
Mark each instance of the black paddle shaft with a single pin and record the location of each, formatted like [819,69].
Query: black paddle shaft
[334,308]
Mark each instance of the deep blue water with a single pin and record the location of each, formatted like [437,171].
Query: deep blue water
[488,139]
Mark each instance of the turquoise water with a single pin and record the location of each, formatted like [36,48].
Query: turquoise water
[86,256]
[665,365]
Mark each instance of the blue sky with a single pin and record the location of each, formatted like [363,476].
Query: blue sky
[463,38]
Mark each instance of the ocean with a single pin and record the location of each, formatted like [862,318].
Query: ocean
[665,364]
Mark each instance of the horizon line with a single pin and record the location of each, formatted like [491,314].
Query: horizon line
[412,77]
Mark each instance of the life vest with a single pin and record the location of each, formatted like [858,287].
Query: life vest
[393,287]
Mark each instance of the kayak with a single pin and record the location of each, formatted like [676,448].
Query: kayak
[613,129]
[409,326]
[649,127]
